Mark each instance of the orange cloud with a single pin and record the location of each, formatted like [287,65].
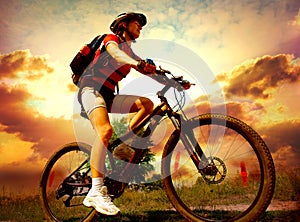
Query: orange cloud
[72,88]
[285,133]
[22,61]
[17,116]
[256,79]
[33,136]
[282,139]
[243,110]
[296,20]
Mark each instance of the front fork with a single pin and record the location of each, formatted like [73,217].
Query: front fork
[187,136]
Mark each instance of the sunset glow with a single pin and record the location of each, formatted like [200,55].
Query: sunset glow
[251,47]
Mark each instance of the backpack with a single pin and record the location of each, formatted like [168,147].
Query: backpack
[84,57]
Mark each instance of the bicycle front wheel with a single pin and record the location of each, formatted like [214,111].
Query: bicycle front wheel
[234,183]
[64,184]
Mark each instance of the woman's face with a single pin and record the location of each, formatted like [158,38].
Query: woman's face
[134,28]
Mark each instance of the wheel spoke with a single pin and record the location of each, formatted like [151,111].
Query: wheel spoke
[234,174]
[64,184]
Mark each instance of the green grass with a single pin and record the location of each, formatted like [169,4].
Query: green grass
[287,186]
[135,206]
[27,209]
[135,201]
[152,205]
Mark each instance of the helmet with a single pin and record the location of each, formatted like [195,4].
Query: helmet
[126,17]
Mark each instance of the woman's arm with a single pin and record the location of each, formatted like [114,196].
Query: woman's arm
[120,56]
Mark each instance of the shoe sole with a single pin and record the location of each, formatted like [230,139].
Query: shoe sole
[100,210]
[87,203]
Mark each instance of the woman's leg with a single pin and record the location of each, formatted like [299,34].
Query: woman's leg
[128,104]
[100,121]
[142,106]
[95,106]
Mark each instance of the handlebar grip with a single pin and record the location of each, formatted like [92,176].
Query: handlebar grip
[160,72]
[177,82]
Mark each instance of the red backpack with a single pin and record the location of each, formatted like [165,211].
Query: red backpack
[84,57]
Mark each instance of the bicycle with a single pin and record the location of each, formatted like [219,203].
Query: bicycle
[223,163]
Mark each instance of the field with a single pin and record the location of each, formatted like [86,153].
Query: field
[145,205]
[135,206]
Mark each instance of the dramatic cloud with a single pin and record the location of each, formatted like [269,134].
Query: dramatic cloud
[257,78]
[21,62]
[28,137]
[283,141]
[224,33]
[247,111]
[18,116]
[263,93]
[47,134]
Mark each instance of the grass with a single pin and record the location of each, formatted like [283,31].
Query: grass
[27,209]
[143,200]
[134,205]
[149,205]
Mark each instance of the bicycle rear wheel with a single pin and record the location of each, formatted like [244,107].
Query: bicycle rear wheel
[235,184]
[64,184]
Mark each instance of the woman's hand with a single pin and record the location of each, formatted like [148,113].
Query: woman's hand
[145,67]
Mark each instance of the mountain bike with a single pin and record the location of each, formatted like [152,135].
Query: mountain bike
[210,164]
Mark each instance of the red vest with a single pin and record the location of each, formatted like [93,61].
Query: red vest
[104,69]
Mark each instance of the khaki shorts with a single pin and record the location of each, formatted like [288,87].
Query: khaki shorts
[92,99]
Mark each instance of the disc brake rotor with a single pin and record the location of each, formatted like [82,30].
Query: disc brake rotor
[215,171]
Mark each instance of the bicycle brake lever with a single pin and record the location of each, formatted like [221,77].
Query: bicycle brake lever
[186,84]
[178,78]
[164,71]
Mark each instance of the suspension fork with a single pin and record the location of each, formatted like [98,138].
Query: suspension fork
[192,146]
[178,134]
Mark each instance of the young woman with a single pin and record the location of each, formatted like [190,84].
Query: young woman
[97,97]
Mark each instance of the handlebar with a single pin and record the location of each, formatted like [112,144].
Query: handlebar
[175,81]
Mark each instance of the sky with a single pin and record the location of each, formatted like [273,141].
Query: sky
[250,47]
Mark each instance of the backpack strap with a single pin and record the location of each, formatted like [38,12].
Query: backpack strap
[102,50]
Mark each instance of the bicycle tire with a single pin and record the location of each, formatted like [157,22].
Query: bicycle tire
[61,214]
[204,200]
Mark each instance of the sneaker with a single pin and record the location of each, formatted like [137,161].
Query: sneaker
[101,202]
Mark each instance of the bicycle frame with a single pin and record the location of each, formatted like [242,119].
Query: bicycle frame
[162,110]
[181,132]
[180,123]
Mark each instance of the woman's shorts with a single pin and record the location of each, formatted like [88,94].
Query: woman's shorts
[91,99]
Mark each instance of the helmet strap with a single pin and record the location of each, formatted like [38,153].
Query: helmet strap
[130,35]
[125,29]
[120,35]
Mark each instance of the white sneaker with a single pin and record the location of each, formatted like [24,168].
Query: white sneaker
[101,202]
